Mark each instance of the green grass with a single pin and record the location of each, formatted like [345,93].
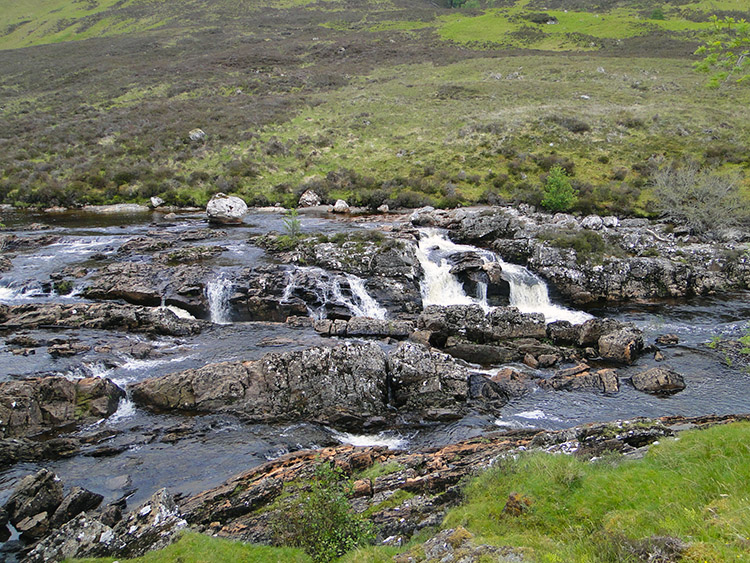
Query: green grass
[198,548]
[696,488]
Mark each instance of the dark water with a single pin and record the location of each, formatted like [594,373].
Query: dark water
[189,454]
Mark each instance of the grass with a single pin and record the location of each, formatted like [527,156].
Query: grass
[695,488]
[198,548]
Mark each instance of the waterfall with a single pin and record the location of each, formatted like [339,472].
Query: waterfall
[218,292]
[321,289]
[528,292]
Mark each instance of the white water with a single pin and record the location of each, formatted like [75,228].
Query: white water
[360,440]
[528,293]
[326,288]
[218,292]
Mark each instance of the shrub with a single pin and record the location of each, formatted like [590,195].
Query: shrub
[559,195]
[322,523]
[700,199]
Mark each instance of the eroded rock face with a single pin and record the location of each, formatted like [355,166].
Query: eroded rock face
[226,210]
[31,406]
[33,502]
[659,381]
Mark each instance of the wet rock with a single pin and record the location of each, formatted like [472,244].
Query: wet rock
[604,380]
[30,406]
[342,385]
[593,329]
[152,284]
[483,354]
[226,210]
[659,381]
[16,450]
[668,339]
[515,383]
[155,202]
[102,316]
[67,349]
[621,346]
[33,502]
[309,199]
[12,243]
[563,332]
[118,208]
[76,501]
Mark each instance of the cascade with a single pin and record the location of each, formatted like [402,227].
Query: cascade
[528,292]
[218,292]
[320,289]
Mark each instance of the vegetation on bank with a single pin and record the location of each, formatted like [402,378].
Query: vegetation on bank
[689,496]
[314,95]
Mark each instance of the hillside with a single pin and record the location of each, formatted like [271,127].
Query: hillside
[396,101]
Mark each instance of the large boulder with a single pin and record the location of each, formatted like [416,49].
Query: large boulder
[659,381]
[30,406]
[342,385]
[76,501]
[309,199]
[226,210]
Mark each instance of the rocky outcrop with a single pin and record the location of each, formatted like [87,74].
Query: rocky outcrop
[659,381]
[350,386]
[152,284]
[342,385]
[622,346]
[226,210]
[16,450]
[153,525]
[28,407]
[102,316]
[309,199]
[581,378]
[33,502]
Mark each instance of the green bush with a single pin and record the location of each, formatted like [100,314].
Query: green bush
[322,522]
[559,194]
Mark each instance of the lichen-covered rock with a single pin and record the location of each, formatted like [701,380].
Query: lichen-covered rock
[659,381]
[226,210]
[309,199]
[621,346]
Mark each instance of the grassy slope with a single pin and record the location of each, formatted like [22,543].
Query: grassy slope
[695,488]
[362,100]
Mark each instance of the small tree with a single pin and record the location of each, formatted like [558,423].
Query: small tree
[322,522]
[559,195]
[726,54]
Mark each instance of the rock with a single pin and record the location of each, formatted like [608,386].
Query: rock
[101,316]
[309,199]
[111,515]
[593,329]
[364,326]
[563,332]
[457,545]
[156,201]
[592,222]
[341,385]
[67,349]
[341,206]
[622,346]
[153,525]
[530,361]
[77,500]
[383,208]
[33,501]
[565,221]
[16,450]
[604,380]
[115,209]
[226,210]
[30,406]
[196,135]
[610,221]
[659,381]
[668,339]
